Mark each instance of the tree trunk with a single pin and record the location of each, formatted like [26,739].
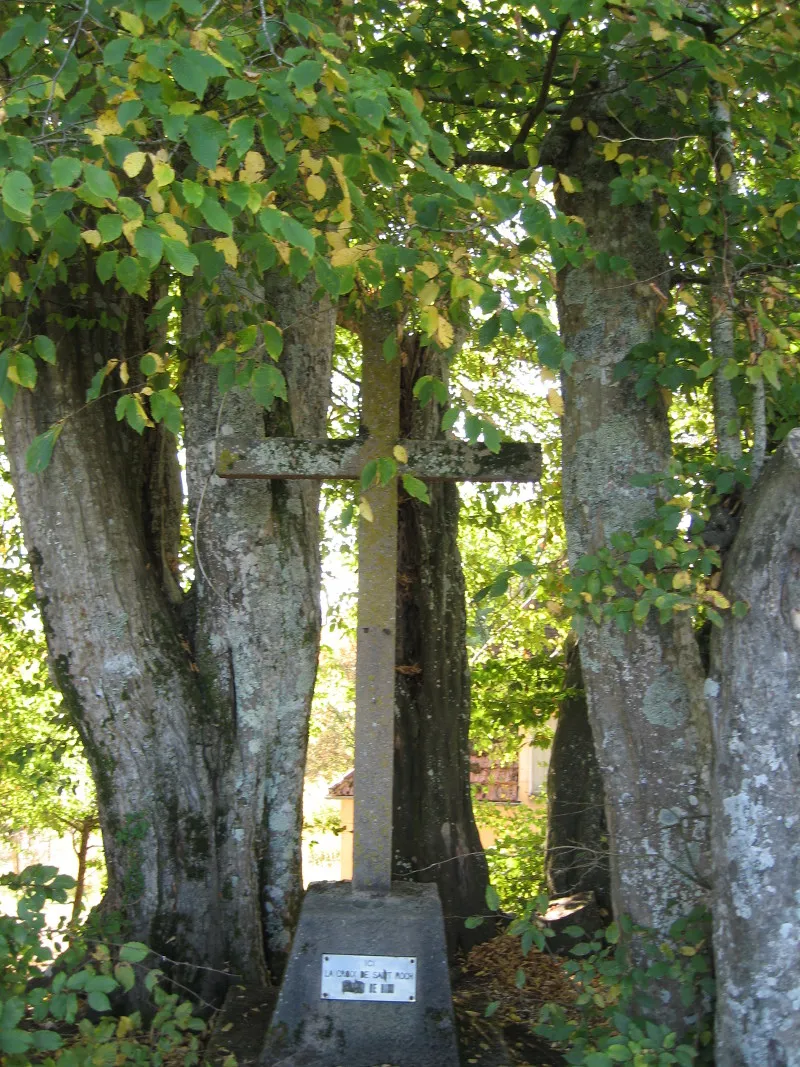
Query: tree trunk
[644,688]
[577,837]
[753,690]
[434,827]
[166,722]
[256,616]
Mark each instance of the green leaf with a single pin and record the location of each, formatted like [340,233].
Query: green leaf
[491,1009]
[491,437]
[205,137]
[18,193]
[105,265]
[597,1059]
[128,273]
[473,921]
[165,407]
[125,975]
[216,216]
[368,473]
[41,448]
[110,227]
[273,340]
[44,348]
[65,171]
[46,1040]
[15,1042]
[99,182]
[305,74]
[189,74]
[296,234]
[371,110]
[149,245]
[492,899]
[612,933]
[417,489]
[179,256]
[99,1001]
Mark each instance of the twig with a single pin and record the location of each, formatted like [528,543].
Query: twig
[67,54]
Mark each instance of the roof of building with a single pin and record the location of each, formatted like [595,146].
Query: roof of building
[493,781]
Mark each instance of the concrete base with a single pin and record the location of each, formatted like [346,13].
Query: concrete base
[307,1030]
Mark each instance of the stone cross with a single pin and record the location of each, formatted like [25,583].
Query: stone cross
[448,460]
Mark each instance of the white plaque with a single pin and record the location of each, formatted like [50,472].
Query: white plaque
[369,978]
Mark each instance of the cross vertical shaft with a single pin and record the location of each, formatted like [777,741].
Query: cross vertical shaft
[375,653]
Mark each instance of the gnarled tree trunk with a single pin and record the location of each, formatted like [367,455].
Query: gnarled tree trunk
[754,691]
[644,688]
[577,838]
[193,720]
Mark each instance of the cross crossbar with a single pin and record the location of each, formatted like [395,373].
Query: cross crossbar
[450,460]
[333,459]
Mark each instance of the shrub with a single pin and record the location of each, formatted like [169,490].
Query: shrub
[57,1011]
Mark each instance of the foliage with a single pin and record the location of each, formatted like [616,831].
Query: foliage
[516,858]
[331,729]
[57,1008]
[45,784]
[620,975]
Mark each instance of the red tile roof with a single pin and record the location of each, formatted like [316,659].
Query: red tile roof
[493,781]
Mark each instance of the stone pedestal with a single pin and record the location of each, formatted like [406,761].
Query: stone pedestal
[308,1030]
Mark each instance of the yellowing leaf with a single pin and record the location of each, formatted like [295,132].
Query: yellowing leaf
[132,23]
[681,580]
[253,169]
[428,293]
[227,246]
[704,207]
[461,39]
[555,401]
[307,160]
[344,257]
[221,174]
[419,99]
[611,150]
[365,511]
[429,320]
[725,171]
[681,95]
[123,373]
[400,454]
[567,182]
[316,187]
[783,209]
[593,128]
[130,228]
[444,333]
[172,228]
[133,163]
[429,268]
[15,282]
[108,123]
[624,157]
[163,174]
[313,125]
[576,123]
[92,237]
[658,32]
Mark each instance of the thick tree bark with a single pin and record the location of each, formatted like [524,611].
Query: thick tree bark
[169,728]
[577,837]
[644,688]
[256,615]
[434,827]
[754,692]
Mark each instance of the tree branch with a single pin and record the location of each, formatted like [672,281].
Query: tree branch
[508,158]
